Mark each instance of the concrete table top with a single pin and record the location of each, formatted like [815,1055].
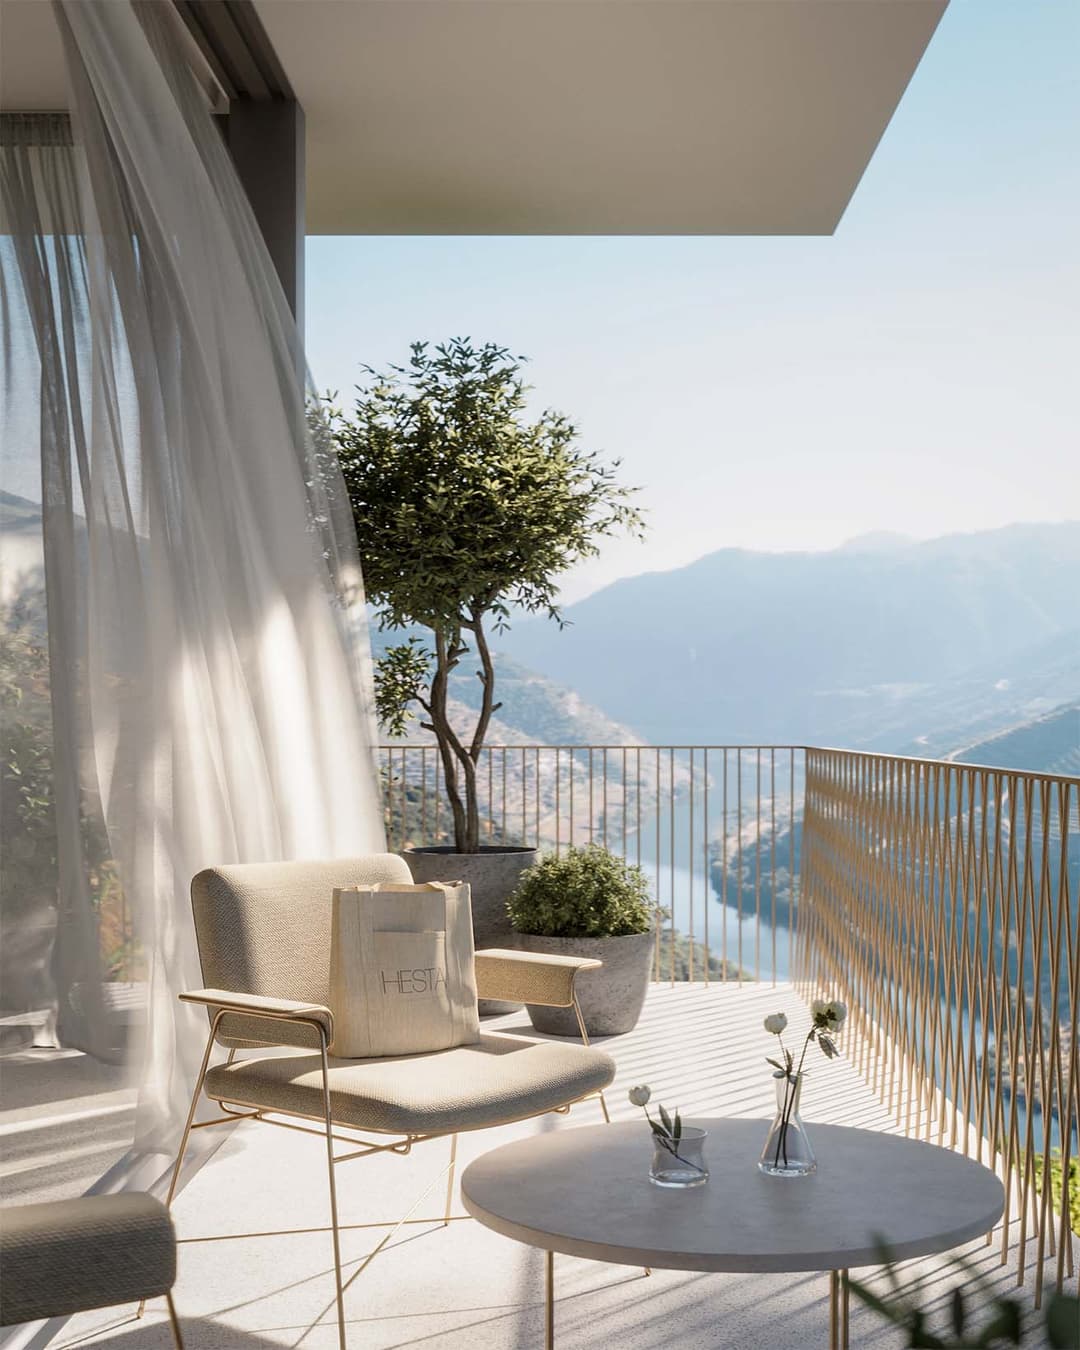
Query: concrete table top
[586,1192]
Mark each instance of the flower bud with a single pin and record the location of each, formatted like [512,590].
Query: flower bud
[639,1096]
[775,1023]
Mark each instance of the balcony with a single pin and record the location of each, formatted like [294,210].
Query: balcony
[940,900]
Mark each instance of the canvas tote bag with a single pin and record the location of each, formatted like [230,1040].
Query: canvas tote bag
[402,980]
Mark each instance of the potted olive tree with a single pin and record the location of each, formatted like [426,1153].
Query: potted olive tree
[587,902]
[466,507]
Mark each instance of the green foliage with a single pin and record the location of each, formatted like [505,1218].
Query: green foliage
[27,818]
[975,1317]
[401,676]
[585,892]
[464,506]
[29,863]
[1056,1177]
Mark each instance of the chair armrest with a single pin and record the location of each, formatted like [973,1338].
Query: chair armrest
[529,977]
[258,1005]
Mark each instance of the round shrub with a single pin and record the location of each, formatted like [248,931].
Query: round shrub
[585,893]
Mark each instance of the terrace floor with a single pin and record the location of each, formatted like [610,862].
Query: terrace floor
[465,1288]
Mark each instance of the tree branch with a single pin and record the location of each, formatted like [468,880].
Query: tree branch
[487,680]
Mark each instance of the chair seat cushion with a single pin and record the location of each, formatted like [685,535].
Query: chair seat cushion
[496,1080]
[68,1256]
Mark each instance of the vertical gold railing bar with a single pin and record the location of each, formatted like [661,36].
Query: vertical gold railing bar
[657,857]
[994,1078]
[558,800]
[423,795]
[570,793]
[591,828]
[489,755]
[525,804]
[1070,1116]
[757,867]
[1024,1055]
[625,793]
[772,857]
[724,868]
[536,794]
[603,798]
[690,864]
[738,857]
[671,857]
[1016,920]
[1040,1091]
[794,881]
[404,799]
[706,860]
[1056,1089]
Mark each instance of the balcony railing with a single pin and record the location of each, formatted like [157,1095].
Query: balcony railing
[700,821]
[941,901]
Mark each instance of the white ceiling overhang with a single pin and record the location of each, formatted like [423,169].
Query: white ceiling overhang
[575,116]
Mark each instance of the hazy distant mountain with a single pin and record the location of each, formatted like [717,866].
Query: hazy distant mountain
[535,710]
[22,579]
[880,646]
[1049,744]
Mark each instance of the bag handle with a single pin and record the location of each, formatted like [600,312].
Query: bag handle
[404,888]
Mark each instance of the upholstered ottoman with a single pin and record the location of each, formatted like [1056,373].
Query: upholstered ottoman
[72,1255]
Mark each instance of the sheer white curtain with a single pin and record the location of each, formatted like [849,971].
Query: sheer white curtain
[208,656]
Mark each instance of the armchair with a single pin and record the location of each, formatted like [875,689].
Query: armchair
[264,944]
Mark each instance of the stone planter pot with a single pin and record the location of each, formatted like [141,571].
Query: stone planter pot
[611,999]
[492,874]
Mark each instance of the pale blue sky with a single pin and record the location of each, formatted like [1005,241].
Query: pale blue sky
[916,372]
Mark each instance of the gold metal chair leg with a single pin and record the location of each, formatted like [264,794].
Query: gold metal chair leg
[580,1021]
[549,1301]
[174,1323]
[192,1109]
[585,1041]
[182,1150]
[450,1180]
[339,1296]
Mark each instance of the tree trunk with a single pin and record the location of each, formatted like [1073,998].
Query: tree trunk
[455,758]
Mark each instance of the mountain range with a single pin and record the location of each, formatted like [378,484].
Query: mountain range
[885,643]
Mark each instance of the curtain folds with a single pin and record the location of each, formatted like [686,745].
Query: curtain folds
[208,659]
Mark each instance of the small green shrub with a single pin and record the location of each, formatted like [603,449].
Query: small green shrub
[587,892]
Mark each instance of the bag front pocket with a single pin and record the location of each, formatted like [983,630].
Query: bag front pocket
[408,1002]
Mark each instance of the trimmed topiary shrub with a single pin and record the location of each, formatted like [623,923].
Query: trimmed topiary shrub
[585,893]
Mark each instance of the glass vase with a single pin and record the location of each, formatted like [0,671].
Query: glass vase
[787,1151]
[680,1165]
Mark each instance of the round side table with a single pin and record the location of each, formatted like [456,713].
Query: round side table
[586,1192]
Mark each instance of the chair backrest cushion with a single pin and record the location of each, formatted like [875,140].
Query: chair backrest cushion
[264,928]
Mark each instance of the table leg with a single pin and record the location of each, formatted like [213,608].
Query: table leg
[845,1309]
[549,1311]
[839,1310]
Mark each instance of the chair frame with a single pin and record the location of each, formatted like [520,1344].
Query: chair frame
[321,1022]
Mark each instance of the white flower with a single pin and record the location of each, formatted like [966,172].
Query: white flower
[837,1015]
[819,1008]
[639,1096]
[775,1023]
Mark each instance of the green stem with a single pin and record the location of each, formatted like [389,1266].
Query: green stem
[789,1101]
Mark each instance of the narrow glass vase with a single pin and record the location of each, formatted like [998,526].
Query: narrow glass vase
[787,1151]
[680,1165]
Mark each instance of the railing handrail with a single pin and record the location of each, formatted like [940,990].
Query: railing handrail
[961,765]
[916,760]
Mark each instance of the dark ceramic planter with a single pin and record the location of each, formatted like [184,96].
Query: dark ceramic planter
[492,874]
